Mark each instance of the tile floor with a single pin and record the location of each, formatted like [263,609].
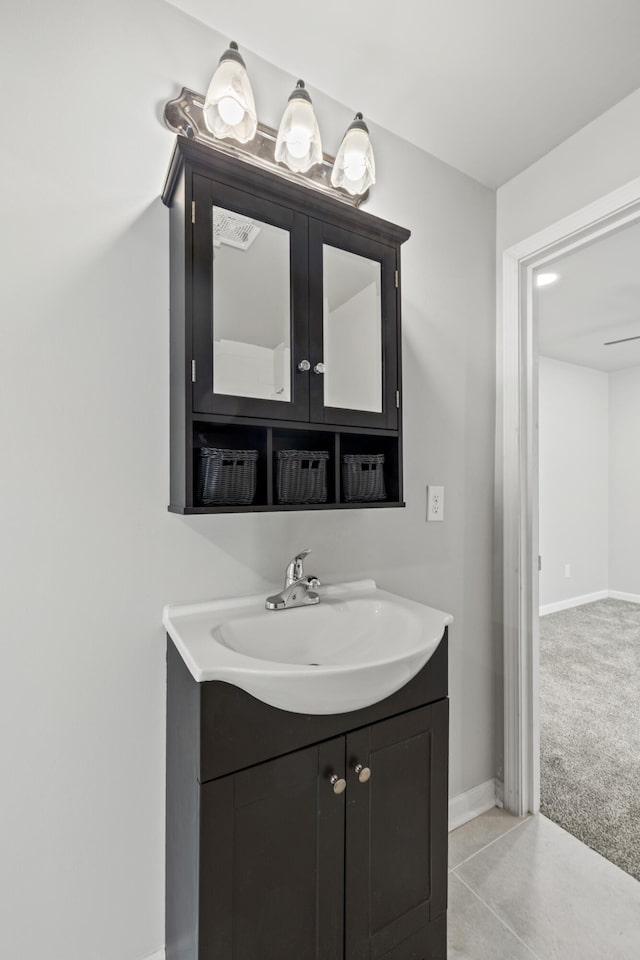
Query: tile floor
[524,889]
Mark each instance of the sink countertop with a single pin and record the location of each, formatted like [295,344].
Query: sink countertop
[357,646]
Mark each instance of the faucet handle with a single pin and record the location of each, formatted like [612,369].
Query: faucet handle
[295,570]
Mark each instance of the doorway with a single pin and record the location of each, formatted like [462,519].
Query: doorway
[586,313]
[518,480]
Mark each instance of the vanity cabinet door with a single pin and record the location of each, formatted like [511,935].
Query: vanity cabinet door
[249,305]
[396,852]
[272,860]
[353,323]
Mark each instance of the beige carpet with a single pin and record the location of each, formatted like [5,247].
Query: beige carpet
[590,726]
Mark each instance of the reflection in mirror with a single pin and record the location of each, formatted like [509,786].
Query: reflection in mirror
[251,308]
[352,331]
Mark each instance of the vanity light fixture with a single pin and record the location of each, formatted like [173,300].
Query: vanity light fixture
[354,168]
[298,143]
[226,121]
[229,108]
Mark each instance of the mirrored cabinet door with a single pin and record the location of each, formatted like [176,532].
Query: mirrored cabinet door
[250,309]
[353,329]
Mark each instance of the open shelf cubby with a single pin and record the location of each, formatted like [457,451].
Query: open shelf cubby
[232,437]
[305,440]
[268,440]
[371,444]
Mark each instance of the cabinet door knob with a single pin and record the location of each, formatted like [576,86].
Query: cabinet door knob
[304,366]
[363,773]
[338,783]
[319,368]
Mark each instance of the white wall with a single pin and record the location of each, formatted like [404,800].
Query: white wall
[252,290]
[589,481]
[594,161]
[624,481]
[352,345]
[574,480]
[90,553]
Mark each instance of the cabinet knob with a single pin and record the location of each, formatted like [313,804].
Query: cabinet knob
[304,366]
[338,783]
[363,773]
[319,368]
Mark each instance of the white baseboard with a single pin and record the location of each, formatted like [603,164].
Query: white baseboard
[158,955]
[472,803]
[575,602]
[589,598]
[620,595]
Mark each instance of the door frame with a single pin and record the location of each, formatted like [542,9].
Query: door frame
[517,480]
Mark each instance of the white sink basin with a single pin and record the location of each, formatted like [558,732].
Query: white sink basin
[356,647]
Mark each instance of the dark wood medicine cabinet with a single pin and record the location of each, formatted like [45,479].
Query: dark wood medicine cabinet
[285,328]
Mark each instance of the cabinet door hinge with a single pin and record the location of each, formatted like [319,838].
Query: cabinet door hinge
[193,371]
[398,399]
[193,214]
[397,279]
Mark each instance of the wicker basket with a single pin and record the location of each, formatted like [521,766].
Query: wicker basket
[363,477]
[226,476]
[302,476]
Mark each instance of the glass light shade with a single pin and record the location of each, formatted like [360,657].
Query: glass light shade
[298,144]
[354,169]
[229,107]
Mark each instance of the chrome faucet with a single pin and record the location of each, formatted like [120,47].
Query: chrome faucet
[298,590]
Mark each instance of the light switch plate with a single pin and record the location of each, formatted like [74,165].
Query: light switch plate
[435,503]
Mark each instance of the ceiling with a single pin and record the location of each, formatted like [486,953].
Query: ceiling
[596,298]
[488,87]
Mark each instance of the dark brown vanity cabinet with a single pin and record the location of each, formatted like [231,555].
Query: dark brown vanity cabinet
[272,859]
[269,858]
[396,864]
[285,327]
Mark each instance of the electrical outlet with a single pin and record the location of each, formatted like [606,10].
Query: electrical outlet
[435,503]
[567,571]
